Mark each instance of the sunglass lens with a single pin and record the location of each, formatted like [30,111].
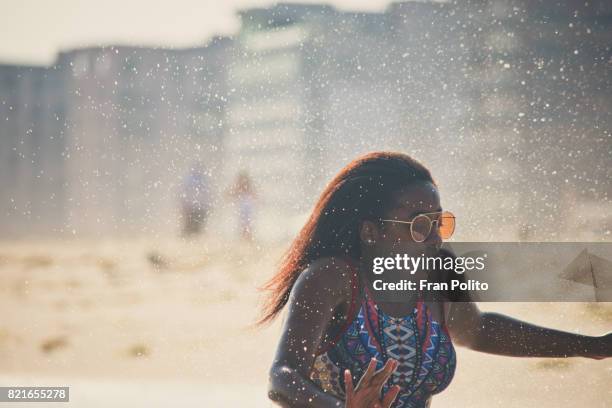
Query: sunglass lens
[446,225]
[421,227]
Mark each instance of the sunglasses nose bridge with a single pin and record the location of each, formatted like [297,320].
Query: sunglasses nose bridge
[434,231]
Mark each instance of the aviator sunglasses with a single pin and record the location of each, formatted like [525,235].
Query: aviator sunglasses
[422,224]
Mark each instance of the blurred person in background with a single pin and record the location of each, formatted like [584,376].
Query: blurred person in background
[344,345]
[195,201]
[243,194]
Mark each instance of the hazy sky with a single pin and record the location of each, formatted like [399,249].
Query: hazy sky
[33,31]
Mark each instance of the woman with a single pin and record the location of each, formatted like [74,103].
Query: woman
[343,345]
[244,193]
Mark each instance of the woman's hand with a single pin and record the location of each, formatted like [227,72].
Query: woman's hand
[601,347]
[368,390]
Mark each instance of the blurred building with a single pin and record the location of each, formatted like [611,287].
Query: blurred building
[307,93]
[267,107]
[564,56]
[137,119]
[32,150]
[514,94]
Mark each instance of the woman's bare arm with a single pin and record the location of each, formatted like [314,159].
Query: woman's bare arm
[499,334]
[315,297]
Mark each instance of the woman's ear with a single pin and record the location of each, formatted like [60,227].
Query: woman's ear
[368,233]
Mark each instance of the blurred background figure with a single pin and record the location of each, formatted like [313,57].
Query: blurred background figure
[195,201]
[243,194]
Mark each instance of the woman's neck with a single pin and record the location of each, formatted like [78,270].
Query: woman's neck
[378,283]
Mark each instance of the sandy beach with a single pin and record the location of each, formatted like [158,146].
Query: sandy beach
[158,323]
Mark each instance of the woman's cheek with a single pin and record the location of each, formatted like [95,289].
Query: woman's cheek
[400,245]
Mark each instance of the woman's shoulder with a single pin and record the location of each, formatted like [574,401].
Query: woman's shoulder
[332,275]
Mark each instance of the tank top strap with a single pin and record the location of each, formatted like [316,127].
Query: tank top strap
[421,315]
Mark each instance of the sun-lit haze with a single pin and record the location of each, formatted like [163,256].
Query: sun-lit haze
[158,158]
[34,31]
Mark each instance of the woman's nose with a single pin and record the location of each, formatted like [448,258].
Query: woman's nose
[434,237]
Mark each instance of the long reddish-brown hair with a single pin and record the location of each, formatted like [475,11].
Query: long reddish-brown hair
[362,190]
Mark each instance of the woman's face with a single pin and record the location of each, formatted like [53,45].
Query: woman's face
[396,238]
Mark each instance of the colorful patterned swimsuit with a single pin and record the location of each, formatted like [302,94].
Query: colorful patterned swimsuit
[421,345]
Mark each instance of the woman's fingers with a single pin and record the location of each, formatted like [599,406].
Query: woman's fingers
[369,373]
[384,373]
[390,396]
[371,382]
[348,388]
